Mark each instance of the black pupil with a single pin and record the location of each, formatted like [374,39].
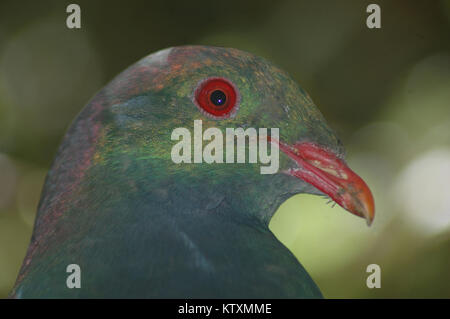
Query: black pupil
[218,98]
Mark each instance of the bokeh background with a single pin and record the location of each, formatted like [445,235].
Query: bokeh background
[385,91]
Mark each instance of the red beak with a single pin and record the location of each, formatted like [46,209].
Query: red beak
[329,174]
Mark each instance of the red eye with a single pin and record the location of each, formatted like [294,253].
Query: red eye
[217,97]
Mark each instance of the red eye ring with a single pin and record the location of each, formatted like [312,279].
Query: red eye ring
[217,98]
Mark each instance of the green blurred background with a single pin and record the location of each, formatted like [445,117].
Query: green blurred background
[385,91]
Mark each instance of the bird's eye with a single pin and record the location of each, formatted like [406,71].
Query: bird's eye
[217,97]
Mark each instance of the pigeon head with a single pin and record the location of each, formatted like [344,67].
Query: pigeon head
[192,96]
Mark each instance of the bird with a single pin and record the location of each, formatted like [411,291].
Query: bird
[141,225]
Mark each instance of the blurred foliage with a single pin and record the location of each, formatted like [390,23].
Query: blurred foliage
[385,91]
